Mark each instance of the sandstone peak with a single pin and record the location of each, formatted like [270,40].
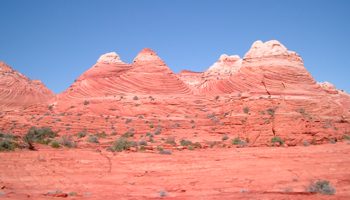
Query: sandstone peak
[147,54]
[326,85]
[225,66]
[4,68]
[226,58]
[110,57]
[269,49]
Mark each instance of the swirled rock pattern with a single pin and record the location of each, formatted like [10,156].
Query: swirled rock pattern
[267,93]
[18,91]
[267,99]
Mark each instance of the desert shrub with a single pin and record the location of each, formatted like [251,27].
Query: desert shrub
[246,110]
[333,141]
[162,193]
[242,144]
[158,131]
[127,134]
[346,137]
[135,98]
[55,144]
[243,191]
[159,148]
[165,152]
[101,135]
[170,141]
[190,148]
[277,139]
[192,121]
[185,142]
[151,125]
[122,144]
[225,137]
[86,102]
[142,148]
[8,136]
[305,143]
[92,139]
[72,193]
[114,133]
[111,149]
[217,97]
[34,134]
[81,134]
[321,187]
[302,110]
[197,144]
[210,115]
[247,140]
[43,141]
[128,121]
[236,141]
[143,143]
[271,111]
[6,145]
[67,141]
[211,145]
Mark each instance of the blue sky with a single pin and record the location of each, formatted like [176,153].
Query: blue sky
[56,41]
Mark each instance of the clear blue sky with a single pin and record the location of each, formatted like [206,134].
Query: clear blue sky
[56,41]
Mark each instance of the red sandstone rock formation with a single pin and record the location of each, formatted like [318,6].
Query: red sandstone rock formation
[18,91]
[339,96]
[267,93]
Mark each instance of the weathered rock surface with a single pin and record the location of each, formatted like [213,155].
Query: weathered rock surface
[212,173]
[267,93]
[337,95]
[18,91]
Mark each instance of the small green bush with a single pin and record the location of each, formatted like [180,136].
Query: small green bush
[55,144]
[67,141]
[128,134]
[197,144]
[247,140]
[142,148]
[185,143]
[277,139]
[165,152]
[81,135]
[151,125]
[225,137]
[246,110]
[72,193]
[236,141]
[122,144]
[92,139]
[190,148]
[321,187]
[34,134]
[159,148]
[346,137]
[43,141]
[170,141]
[6,145]
[143,143]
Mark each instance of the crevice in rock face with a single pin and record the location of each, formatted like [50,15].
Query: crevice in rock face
[109,160]
[265,87]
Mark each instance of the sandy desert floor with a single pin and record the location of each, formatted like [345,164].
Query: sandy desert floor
[212,173]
